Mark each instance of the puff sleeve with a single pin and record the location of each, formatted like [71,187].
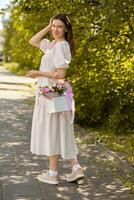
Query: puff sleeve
[62,55]
[44,43]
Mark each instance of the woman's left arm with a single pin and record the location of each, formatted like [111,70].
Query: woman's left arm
[59,73]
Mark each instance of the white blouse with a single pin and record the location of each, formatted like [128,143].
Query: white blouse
[58,56]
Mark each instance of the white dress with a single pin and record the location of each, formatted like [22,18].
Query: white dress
[52,134]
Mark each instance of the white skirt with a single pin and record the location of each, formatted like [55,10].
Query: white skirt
[52,134]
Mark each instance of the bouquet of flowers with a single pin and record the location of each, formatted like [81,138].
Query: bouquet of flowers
[61,97]
[59,88]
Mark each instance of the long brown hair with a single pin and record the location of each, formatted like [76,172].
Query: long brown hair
[69,34]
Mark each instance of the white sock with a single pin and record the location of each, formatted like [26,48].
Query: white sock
[76,167]
[53,173]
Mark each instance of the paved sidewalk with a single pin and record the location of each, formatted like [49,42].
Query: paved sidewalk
[104,169]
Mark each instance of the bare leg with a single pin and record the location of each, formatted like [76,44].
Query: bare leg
[74,162]
[50,176]
[53,160]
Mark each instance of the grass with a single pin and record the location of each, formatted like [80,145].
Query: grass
[122,143]
[14,68]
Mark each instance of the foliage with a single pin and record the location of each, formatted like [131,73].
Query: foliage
[102,71]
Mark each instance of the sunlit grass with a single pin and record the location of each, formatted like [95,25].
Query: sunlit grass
[121,143]
[14,68]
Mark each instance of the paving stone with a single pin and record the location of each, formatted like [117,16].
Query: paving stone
[15,190]
[6,170]
[21,197]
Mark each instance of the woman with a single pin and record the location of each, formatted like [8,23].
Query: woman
[53,134]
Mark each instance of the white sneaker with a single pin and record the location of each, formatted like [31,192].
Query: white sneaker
[46,178]
[75,175]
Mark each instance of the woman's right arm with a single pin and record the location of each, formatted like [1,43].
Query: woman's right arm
[35,40]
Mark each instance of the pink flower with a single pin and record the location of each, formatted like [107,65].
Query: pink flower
[59,85]
[46,90]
